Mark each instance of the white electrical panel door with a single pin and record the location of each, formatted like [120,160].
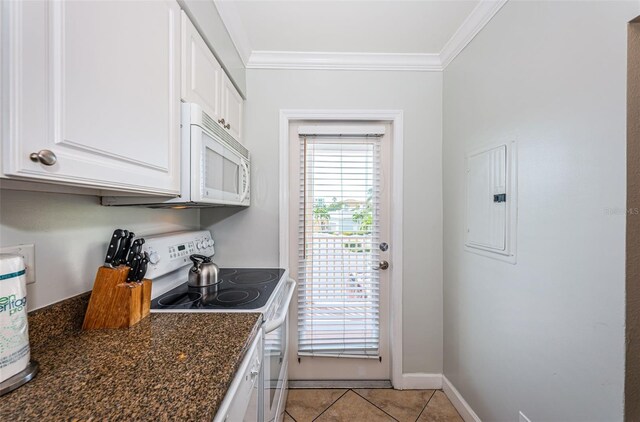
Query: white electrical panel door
[487,199]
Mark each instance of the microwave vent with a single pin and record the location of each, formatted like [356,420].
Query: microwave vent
[210,124]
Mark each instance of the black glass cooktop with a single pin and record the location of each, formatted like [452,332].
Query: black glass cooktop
[242,288]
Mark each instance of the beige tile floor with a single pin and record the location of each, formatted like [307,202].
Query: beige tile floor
[347,405]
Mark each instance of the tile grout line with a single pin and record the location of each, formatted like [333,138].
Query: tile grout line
[334,402]
[454,408]
[376,406]
[425,405]
[433,392]
[294,419]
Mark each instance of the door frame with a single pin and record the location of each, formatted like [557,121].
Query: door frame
[396,208]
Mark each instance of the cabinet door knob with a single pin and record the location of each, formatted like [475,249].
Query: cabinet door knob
[227,126]
[44,156]
[221,121]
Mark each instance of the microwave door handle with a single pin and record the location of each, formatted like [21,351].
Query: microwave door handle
[245,191]
[275,323]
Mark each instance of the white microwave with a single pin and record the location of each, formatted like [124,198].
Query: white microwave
[215,168]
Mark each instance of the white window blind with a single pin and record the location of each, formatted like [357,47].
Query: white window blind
[338,296]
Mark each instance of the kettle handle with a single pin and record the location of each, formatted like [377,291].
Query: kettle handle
[199,259]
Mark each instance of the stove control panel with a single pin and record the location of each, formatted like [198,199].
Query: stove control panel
[181,250]
[168,252]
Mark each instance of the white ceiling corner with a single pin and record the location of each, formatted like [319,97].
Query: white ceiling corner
[426,62]
[477,19]
[343,61]
[231,18]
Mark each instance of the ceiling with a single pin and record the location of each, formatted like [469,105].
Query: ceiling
[374,26]
[413,35]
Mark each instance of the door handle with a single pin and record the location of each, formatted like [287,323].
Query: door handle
[269,326]
[382,265]
[245,190]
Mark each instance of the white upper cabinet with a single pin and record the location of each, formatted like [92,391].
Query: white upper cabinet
[93,93]
[205,83]
[232,106]
[201,73]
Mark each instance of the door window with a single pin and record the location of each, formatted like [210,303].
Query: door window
[214,169]
[338,232]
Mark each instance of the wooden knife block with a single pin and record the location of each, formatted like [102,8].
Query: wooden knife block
[114,303]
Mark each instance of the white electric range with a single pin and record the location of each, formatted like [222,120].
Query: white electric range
[265,290]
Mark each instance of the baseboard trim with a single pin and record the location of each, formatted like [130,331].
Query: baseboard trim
[339,384]
[459,402]
[420,381]
[409,381]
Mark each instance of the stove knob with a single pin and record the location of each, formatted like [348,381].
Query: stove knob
[199,245]
[154,257]
[210,243]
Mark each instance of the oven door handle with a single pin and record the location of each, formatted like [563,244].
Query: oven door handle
[275,323]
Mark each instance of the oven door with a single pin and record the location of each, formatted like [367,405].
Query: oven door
[275,359]
[219,174]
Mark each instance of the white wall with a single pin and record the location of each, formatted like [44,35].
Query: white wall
[545,336]
[71,233]
[250,237]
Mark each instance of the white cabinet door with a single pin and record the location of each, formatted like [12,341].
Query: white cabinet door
[97,84]
[205,83]
[201,72]
[232,106]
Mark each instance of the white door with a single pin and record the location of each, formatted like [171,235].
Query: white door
[201,72]
[94,90]
[232,105]
[339,211]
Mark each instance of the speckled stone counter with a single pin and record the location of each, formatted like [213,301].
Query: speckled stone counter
[167,367]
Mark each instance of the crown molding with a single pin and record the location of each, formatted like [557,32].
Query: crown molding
[477,19]
[417,62]
[232,21]
[343,61]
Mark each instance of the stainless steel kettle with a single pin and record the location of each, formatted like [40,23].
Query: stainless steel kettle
[204,272]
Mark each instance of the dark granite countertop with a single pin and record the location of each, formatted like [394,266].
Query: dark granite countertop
[170,366]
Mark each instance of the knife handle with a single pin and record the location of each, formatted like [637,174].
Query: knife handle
[136,248]
[114,247]
[121,245]
[133,268]
[121,257]
[142,268]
